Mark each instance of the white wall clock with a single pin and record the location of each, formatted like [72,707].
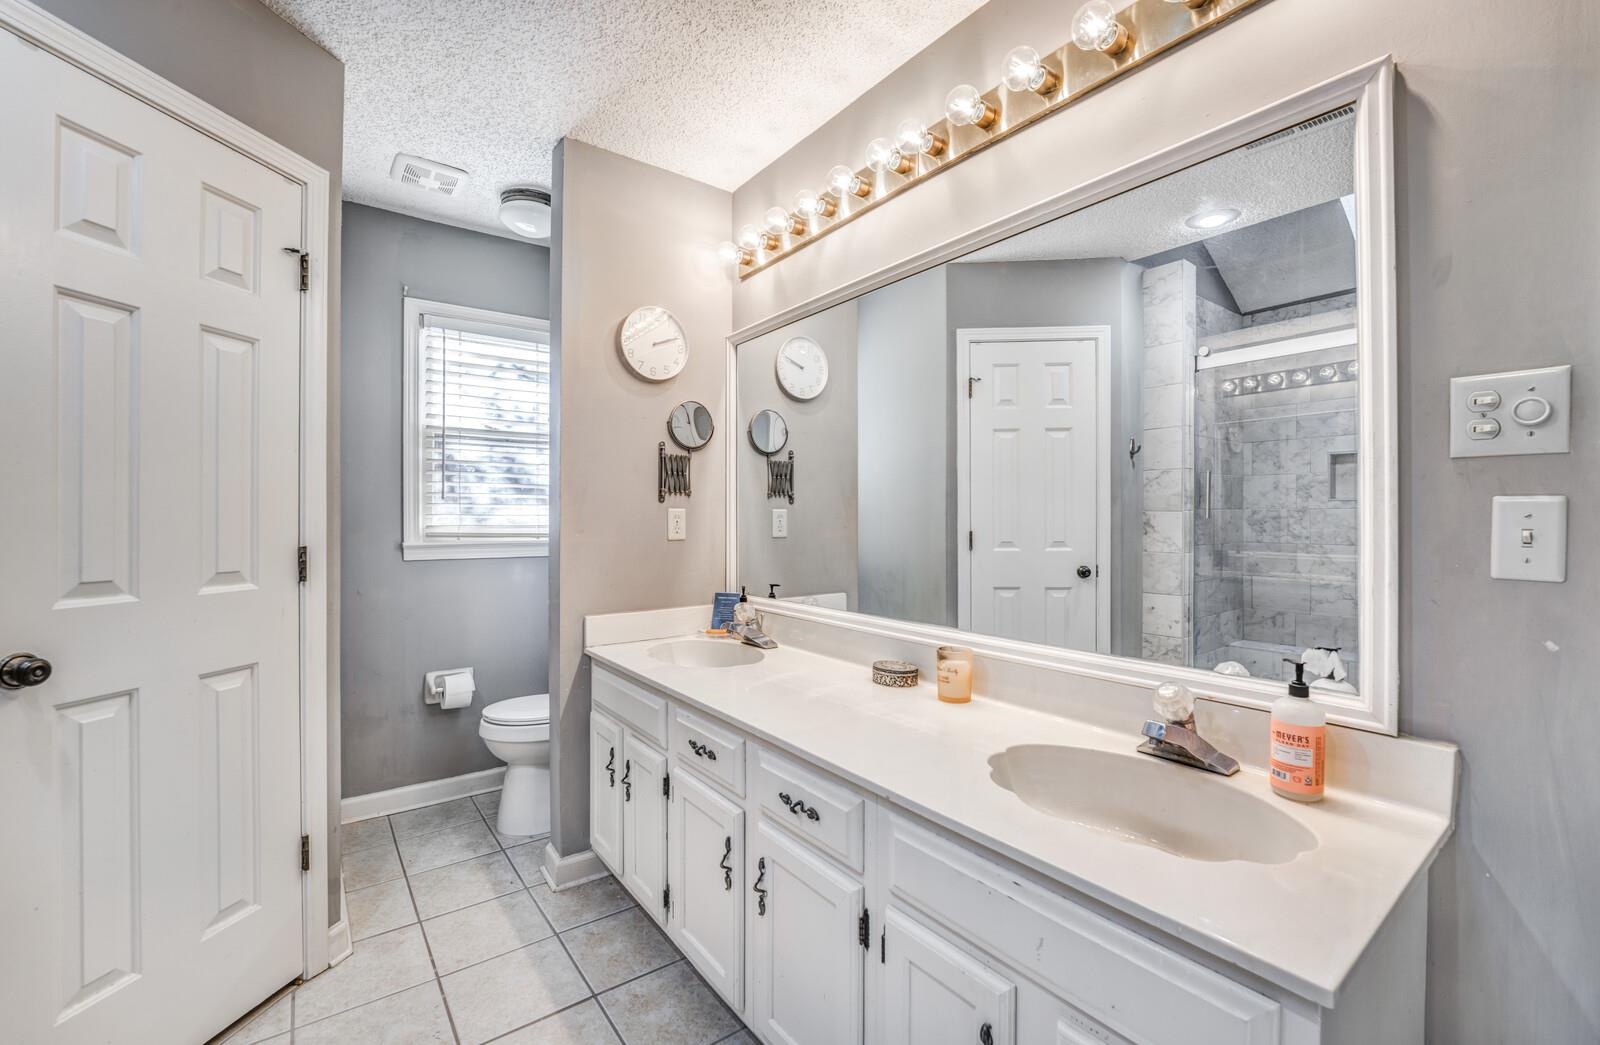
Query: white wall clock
[652,344]
[802,368]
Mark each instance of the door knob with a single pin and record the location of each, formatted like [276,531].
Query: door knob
[23,669]
[1084,572]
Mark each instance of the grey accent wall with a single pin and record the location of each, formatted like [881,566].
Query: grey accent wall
[819,555]
[1097,292]
[240,57]
[625,234]
[907,453]
[1497,148]
[402,619]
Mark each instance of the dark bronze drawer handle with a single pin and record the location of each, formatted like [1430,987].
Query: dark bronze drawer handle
[703,750]
[986,1035]
[627,785]
[797,807]
[761,894]
[611,766]
[727,868]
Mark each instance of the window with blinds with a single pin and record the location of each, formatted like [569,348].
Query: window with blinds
[481,445]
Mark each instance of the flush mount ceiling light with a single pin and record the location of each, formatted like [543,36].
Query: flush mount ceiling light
[1095,28]
[972,120]
[526,212]
[1212,219]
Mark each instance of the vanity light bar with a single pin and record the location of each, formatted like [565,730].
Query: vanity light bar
[1294,377]
[1106,44]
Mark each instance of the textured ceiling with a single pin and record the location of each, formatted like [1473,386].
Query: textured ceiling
[711,89]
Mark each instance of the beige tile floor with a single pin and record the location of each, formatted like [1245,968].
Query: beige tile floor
[459,941]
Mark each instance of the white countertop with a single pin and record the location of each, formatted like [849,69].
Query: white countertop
[1300,925]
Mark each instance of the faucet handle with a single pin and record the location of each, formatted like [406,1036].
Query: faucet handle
[1174,702]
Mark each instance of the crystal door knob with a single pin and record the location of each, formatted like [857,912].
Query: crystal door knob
[23,669]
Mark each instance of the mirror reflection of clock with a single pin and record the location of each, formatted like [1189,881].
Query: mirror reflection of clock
[802,368]
[652,344]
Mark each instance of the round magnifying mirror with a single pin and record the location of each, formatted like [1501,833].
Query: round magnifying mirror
[690,425]
[768,432]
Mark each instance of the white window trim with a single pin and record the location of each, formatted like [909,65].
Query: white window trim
[414,547]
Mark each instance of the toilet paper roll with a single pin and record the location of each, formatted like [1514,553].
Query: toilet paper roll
[458,690]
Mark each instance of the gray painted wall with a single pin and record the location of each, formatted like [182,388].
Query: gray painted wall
[1098,292]
[819,555]
[625,234]
[907,453]
[405,618]
[1497,211]
[240,57]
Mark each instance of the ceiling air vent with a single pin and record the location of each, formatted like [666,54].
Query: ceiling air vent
[428,175]
[1300,128]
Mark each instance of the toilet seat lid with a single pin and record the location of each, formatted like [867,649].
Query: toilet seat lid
[519,711]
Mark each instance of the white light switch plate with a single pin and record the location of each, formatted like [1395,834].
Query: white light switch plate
[780,522]
[1528,539]
[677,524]
[1517,412]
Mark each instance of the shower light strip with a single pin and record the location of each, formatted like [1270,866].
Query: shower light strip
[1149,28]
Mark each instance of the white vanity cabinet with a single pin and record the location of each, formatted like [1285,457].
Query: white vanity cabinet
[936,992]
[706,854]
[605,793]
[628,793]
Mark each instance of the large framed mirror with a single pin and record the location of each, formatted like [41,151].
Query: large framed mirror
[1145,438]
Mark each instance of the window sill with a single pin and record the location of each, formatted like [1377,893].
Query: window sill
[426,551]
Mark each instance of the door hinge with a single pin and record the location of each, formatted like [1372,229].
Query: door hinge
[305,852]
[305,267]
[301,559]
[969,540]
[666,898]
[883,947]
[970,382]
[666,787]
[864,930]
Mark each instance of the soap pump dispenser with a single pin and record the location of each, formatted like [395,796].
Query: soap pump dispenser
[1299,741]
[743,612]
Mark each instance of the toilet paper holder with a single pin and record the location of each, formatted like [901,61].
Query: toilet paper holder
[435,683]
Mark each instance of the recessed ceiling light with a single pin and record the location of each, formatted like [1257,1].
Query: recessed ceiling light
[1212,219]
[526,212]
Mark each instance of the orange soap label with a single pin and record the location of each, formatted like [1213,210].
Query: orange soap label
[1297,757]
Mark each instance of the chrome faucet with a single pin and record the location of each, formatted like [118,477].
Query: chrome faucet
[748,623]
[1175,738]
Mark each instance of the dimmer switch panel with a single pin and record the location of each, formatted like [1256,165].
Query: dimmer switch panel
[1518,412]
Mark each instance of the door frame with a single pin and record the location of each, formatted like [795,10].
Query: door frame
[44,30]
[966,338]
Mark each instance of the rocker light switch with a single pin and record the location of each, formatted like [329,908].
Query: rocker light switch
[1528,539]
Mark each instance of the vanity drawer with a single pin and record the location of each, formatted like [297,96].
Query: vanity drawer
[832,817]
[1133,986]
[636,707]
[710,749]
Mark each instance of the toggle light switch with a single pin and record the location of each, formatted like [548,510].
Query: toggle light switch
[1528,539]
[1518,412]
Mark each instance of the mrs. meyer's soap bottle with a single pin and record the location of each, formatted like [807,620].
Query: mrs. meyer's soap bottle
[1299,741]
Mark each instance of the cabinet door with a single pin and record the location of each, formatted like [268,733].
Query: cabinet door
[644,823]
[705,846]
[605,790]
[936,995]
[806,968]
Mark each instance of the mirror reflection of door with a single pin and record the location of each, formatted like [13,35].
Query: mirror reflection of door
[1029,487]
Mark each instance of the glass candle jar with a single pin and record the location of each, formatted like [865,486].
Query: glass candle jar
[955,674]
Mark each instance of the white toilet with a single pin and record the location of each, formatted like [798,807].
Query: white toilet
[517,732]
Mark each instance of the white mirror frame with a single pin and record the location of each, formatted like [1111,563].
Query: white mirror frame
[1370,89]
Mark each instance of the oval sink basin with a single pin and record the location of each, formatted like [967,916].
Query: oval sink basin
[1185,812]
[706,653]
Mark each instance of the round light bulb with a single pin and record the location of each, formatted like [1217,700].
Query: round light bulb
[964,107]
[749,237]
[777,220]
[912,137]
[882,155]
[1022,70]
[811,205]
[843,181]
[1095,28]
[732,254]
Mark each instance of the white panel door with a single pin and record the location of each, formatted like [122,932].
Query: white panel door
[644,823]
[936,995]
[705,845]
[1031,491]
[150,884]
[806,964]
[605,792]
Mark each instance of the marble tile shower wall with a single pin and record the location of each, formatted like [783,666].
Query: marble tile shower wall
[1277,552]
[1168,302]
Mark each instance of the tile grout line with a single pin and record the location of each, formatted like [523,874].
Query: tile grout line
[438,981]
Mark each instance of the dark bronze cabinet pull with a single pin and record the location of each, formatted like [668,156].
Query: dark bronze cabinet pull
[761,894]
[727,868]
[986,1035]
[795,806]
[611,766]
[703,750]
[627,786]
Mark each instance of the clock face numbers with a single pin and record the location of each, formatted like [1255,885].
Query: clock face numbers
[802,368]
[652,344]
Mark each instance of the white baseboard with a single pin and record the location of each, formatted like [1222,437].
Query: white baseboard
[564,872]
[414,796]
[340,946]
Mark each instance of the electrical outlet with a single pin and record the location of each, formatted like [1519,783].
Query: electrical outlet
[677,524]
[780,522]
